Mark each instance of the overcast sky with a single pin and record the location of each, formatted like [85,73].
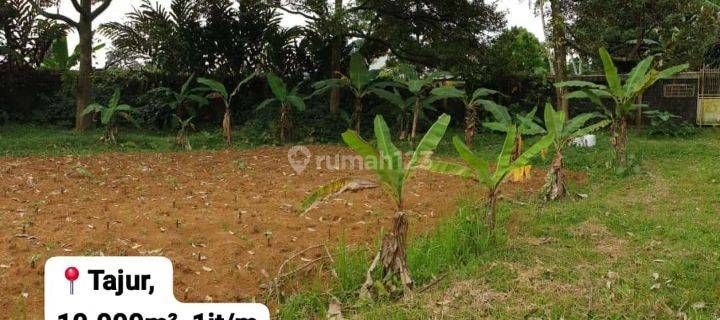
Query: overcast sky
[518,14]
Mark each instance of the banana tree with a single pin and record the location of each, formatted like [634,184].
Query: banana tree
[181,139]
[186,98]
[624,96]
[403,106]
[417,85]
[361,81]
[285,99]
[109,116]
[478,169]
[524,123]
[220,92]
[393,174]
[60,59]
[563,132]
[471,103]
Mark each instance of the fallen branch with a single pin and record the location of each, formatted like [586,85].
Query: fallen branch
[432,283]
[282,266]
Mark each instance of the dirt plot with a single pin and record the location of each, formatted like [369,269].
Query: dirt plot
[226,219]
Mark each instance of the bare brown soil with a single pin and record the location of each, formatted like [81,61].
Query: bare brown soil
[226,219]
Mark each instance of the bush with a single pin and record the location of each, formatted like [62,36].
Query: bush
[663,123]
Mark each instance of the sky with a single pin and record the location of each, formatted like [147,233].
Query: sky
[518,14]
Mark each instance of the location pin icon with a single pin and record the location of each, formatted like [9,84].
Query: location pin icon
[72,274]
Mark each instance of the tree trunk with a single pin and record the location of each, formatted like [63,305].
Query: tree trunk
[110,136]
[517,148]
[619,140]
[84,84]
[357,114]
[416,116]
[227,126]
[403,134]
[471,119]
[85,33]
[392,257]
[560,56]
[284,121]
[543,18]
[335,56]
[555,187]
[182,140]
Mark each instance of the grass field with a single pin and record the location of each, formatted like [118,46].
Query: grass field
[643,245]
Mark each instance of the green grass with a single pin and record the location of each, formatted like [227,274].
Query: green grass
[594,258]
[28,140]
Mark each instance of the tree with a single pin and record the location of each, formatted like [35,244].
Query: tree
[169,39]
[24,39]
[563,133]
[437,34]
[471,103]
[109,116]
[418,85]
[85,32]
[559,41]
[518,53]
[183,100]
[478,168]
[361,81]
[220,92]
[403,106]
[59,59]
[624,96]
[673,31]
[504,122]
[216,37]
[387,162]
[330,25]
[285,99]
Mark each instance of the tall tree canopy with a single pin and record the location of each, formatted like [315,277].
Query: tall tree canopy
[25,39]
[517,53]
[674,31]
[200,36]
[444,34]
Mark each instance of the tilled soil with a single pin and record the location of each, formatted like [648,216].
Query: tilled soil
[226,219]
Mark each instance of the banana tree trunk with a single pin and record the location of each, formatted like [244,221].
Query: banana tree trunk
[110,136]
[357,114]
[284,121]
[471,119]
[403,133]
[555,187]
[619,140]
[392,257]
[182,140]
[416,116]
[227,126]
[517,149]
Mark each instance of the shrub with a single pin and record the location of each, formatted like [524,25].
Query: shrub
[663,123]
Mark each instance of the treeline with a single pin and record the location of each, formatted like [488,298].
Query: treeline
[161,46]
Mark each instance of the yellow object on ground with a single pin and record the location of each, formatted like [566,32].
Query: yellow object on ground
[521,174]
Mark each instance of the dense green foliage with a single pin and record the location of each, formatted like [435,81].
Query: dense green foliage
[675,32]
[623,95]
[517,53]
